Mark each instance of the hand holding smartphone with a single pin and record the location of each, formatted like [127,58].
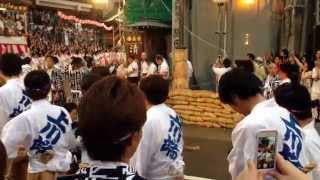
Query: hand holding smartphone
[266,150]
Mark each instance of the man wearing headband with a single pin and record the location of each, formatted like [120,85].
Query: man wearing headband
[159,155]
[44,130]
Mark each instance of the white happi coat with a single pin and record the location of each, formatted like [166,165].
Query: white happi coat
[266,116]
[312,146]
[13,100]
[159,155]
[43,127]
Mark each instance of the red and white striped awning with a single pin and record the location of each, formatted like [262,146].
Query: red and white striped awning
[17,45]
[13,48]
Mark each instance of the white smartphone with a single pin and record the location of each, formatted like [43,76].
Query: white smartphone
[266,150]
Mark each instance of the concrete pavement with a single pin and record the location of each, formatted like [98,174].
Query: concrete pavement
[210,160]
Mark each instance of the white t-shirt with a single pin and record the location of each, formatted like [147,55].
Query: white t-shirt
[266,116]
[312,147]
[133,69]
[316,83]
[159,155]
[164,69]
[190,69]
[219,72]
[43,127]
[152,69]
[144,68]
[13,101]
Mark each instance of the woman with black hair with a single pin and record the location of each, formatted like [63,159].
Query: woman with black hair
[44,129]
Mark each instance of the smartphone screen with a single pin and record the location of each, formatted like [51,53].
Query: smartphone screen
[266,150]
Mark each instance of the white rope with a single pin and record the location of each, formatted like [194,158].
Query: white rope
[194,34]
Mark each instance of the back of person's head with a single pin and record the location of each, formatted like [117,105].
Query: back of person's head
[238,83]
[227,63]
[76,61]
[251,56]
[292,71]
[101,70]
[155,89]
[26,60]
[296,99]
[285,53]
[37,84]
[10,65]
[106,127]
[88,80]
[3,161]
[55,59]
[70,107]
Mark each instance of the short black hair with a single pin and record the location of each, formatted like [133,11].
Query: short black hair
[55,59]
[26,60]
[285,52]
[292,71]
[37,84]
[101,71]
[88,80]
[76,61]
[251,56]
[227,63]
[105,126]
[238,83]
[296,99]
[10,64]
[70,106]
[155,88]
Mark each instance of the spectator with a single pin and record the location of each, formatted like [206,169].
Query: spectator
[288,73]
[242,91]
[13,100]
[34,129]
[26,66]
[190,70]
[272,81]
[56,96]
[317,55]
[259,69]
[111,140]
[155,158]
[133,71]
[297,100]
[306,74]
[163,67]
[144,64]
[220,68]
[284,55]
[315,90]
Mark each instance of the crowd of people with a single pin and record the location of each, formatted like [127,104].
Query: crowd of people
[12,23]
[49,34]
[74,119]
[277,93]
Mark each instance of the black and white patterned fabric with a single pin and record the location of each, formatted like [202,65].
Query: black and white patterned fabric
[104,173]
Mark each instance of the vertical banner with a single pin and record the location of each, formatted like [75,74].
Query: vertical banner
[176,23]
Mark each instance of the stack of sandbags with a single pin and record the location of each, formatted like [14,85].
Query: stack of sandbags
[202,108]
